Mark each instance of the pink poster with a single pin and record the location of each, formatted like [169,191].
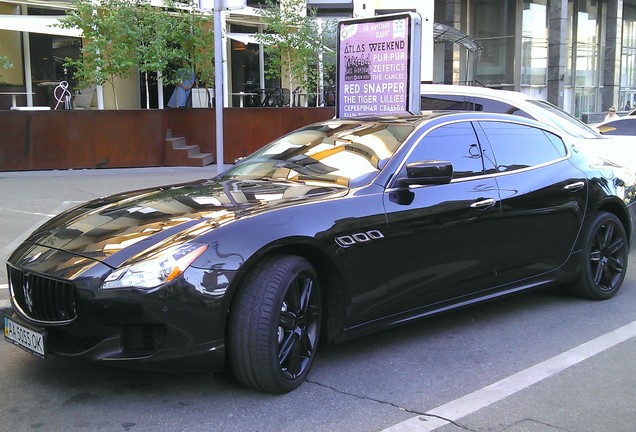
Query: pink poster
[373,71]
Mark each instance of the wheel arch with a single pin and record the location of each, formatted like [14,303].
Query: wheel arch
[618,209]
[329,273]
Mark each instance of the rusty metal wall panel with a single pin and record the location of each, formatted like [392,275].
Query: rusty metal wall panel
[35,140]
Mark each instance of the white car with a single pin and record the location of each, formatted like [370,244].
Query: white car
[613,149]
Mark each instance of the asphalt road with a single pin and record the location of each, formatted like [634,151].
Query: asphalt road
[535,362]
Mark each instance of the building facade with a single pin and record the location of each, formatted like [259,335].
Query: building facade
[578,54]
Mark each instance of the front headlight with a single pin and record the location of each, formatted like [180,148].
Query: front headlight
[162,268]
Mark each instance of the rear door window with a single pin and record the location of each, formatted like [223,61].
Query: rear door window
[444,102]
[517,146]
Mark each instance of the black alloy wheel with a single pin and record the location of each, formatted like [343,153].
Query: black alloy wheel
[604,259]
[275,324]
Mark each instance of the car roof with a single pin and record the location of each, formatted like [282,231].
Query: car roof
[507,95]
[427,117]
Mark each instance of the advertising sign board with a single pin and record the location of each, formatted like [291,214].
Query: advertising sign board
[379,65]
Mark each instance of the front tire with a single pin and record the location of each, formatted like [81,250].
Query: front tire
[274,326]
[605,254]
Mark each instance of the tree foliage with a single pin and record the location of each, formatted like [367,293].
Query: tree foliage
[152,49]
[123,36]
[108,49]
[193,36]
[322,73]
[292,41]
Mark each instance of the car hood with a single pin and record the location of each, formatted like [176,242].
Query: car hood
[121,227]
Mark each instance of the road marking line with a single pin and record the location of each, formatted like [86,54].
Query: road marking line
[4,286]
[454,410]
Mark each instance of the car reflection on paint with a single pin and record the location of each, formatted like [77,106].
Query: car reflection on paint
[338,229]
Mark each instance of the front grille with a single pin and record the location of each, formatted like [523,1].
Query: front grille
[42,298]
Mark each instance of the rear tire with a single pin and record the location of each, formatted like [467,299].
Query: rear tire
[605,253]
[274,326]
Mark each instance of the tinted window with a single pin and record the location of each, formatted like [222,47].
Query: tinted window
[456,143]
[518,146]
[624,127]
[471,103]
[444,102]
[489,105]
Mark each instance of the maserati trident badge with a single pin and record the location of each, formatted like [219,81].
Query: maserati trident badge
[27,296]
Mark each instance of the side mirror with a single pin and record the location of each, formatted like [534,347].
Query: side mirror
[429,172]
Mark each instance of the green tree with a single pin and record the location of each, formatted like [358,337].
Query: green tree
[292,40]
[123,35]
[191,38]
[323,62]
[153,32]
[109,29]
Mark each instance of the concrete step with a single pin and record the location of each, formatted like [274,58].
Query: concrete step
[176,142]
[204,158]
[178,152]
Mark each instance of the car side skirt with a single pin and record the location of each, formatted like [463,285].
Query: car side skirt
[568,272]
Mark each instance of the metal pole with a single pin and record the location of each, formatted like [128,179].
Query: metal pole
[28,77]
[160,103]
[99,88]
[218,84]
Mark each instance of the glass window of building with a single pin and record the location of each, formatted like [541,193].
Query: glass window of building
[492,24]
[48,54]
[587,60]
[246,86]
[534,45]
[628,57]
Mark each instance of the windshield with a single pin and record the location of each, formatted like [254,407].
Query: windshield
[565,121]
[334,152]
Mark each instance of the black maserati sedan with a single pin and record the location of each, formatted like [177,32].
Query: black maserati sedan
[335,230]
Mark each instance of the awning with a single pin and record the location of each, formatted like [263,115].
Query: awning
[246,16]
[36,24]
[246,38]
[443,33]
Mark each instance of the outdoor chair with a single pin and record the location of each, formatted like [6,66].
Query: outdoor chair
[277,97]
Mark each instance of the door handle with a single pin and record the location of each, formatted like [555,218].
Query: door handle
[483,204]
[574,186]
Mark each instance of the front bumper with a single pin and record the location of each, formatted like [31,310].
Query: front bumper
[181,324]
